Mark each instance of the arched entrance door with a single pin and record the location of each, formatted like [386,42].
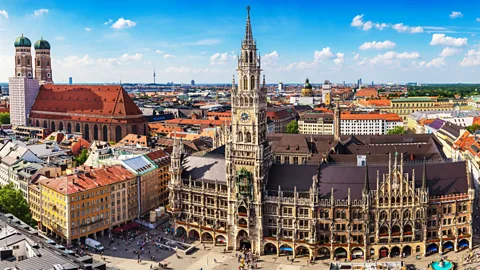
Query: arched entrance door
[407,251]
[220,240]
[340,253]
[447,246]
[207,237]
[383,252]
[302,251]
[463,244]
[357,253]
[270,249]
[323,253]
[245,244]
[395,252]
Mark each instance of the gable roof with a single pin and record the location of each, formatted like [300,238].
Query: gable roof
[88,103]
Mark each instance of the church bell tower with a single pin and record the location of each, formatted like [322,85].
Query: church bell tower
[248,153]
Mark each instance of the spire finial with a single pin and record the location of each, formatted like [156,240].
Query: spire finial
[248,30]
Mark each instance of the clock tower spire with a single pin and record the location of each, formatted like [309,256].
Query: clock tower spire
[248,153]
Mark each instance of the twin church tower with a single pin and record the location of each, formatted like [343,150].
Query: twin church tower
[24,63]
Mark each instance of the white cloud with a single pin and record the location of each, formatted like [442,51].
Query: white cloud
[4,13]
[60,38]
[436,62]
[441,39]
[159,52]
[357,21]
[40,12]
[325,53]
[340,59]
[221,58]
[270,59]
[449,51]
[122,23]
[356,56]
[126,57]
[401,28]
[391,57]
[455,14]
[472,58]
[168,56]
[478,20]
[88,29]
[108,22]
[381,26]
[367,26]
[378,45]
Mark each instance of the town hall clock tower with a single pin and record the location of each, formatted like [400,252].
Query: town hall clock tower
[248,155]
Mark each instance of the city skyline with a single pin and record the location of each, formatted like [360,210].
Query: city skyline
[339,42]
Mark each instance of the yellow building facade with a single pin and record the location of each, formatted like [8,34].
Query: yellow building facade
[405,106]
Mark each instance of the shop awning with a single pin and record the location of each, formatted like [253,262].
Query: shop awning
[463,244]
[286,249]
[357,253]
[448,245]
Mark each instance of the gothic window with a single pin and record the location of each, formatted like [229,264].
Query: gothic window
[405,199]
[118,133]
[248,137]
[395,214]
[406,214]
[344,215]
[60,126]
[251,58]
[69,128]
[419,214]
[398,200]
[77,127]
[246,60]
[105,133]
[251,101]
[28,62]
[338,214]
[18,61]
[86,132]
[38,62]
[252,82]
[45,124]
[410,199]
[37,123]
[245,82]
[240,136]
[380,201]
[383,215]
[393,200]
[95,132]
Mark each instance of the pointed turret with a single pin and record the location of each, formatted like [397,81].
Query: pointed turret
[248,30]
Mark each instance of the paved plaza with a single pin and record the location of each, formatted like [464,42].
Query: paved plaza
[210,258]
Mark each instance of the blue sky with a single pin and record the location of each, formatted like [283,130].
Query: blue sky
[383,41]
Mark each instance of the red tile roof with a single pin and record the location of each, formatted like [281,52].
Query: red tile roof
[86,180]
[367,92]
[87,103]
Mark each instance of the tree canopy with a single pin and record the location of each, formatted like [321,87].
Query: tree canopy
[292,127]
[444,91]
[80,159]
[12,201]
[5,118]
[396,130]
[473,128]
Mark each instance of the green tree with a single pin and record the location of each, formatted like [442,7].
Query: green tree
[292,127]
[5,118]
[473,128]
[80,159]
[12,201]
[396,130]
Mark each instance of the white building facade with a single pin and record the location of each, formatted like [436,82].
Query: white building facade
[365,124]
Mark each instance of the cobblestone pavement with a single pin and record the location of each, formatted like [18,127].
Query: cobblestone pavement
[213,258]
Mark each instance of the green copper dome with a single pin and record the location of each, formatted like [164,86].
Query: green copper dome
[22,42]
[42,45]
[307,84]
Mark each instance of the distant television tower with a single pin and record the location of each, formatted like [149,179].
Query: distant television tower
[154,76]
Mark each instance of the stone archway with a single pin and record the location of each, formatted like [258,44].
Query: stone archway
[463,244]
[383,252]
[395,252]
[245,244]
[406,251]
[193,234]
[270,249]
[207,237]
[432,249]
[220,240]
[181,231]
[302,251]
[357,253]
[340,253]
[323,253]
[447,247]
[286,250]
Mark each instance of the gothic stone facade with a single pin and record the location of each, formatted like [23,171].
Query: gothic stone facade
[243,200]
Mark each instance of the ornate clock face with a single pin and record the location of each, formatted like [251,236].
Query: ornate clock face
[244,117]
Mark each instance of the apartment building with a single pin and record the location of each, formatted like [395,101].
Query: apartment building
[316,123]
[368,124]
